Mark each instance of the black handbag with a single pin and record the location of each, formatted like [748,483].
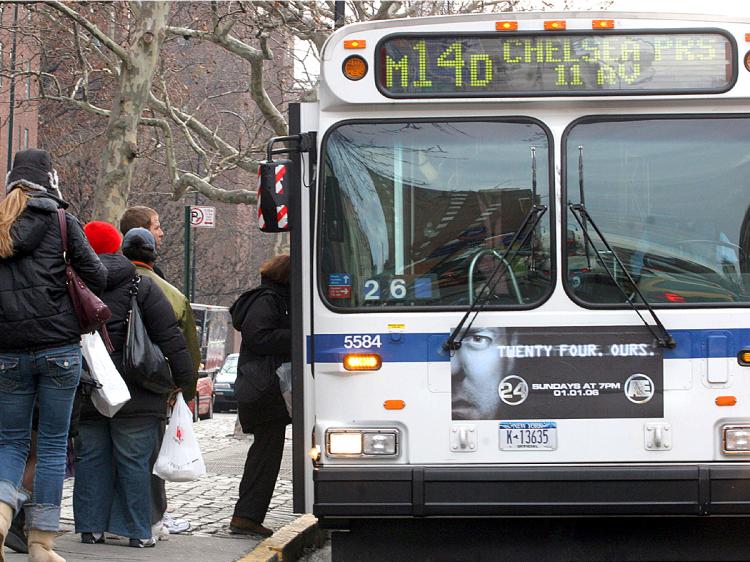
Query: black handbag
[142,360]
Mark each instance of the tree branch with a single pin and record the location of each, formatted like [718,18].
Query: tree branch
[121,53]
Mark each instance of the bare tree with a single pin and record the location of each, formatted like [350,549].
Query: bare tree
[153,106]
[117,73]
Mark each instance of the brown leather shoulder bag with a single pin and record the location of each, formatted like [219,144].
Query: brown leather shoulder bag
[91,312]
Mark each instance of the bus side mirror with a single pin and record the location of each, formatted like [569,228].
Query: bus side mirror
[273,195]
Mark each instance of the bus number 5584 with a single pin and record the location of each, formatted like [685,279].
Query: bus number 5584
[362,342]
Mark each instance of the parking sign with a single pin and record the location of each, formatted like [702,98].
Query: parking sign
[202,217]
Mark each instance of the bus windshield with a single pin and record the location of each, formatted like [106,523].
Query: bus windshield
[419,213]
[672,196]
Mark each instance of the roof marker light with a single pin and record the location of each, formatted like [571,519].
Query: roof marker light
[355,44]
[602,24]
[506,26]
[554,25]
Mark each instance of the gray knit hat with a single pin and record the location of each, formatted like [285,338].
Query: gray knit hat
[32,169]
[139,243]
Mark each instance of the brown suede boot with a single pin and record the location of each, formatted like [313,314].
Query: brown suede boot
[6,518]
[244,526]
[40,547]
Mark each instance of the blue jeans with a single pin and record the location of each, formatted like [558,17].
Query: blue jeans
[51,377]
[112,490]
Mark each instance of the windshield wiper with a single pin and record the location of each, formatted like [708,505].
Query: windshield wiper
[663,340]
[524,232]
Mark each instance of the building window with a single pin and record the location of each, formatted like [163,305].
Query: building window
[28,80]
[25,139]
[2,62]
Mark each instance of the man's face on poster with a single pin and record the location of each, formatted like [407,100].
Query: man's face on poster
[476,370]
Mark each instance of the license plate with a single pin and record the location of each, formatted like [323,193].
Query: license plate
[528,436]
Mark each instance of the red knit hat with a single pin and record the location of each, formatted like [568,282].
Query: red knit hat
[103,237]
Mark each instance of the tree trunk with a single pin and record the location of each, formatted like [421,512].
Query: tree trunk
[121,136]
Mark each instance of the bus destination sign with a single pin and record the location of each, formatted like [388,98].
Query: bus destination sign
[423,66]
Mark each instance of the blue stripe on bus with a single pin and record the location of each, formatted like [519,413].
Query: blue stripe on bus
[418,348]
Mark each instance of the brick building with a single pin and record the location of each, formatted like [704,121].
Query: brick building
[19,123]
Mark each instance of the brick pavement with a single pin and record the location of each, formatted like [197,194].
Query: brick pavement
[208,503]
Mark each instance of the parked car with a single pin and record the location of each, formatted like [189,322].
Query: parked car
[202,406]
[224,383]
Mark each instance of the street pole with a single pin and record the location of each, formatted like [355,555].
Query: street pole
[339,11]
[12,98]
[187,245]
[192,241]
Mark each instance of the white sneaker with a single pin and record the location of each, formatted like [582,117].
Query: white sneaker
[142,543]
[159,531]
[175,526]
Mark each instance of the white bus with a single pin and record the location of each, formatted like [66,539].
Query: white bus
[521,269]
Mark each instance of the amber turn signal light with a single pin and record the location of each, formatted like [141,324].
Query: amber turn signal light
[394,404]
[355,67]
[362,361]
[726,400]
[743,357]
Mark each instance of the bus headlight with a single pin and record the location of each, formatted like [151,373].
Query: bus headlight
[736,439]
[361,443]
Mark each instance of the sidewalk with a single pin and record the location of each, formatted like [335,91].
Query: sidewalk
[179,548]
[207,504]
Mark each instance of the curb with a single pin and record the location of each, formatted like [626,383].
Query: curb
[287,544]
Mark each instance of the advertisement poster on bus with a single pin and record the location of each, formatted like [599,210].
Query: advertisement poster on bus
[557,373]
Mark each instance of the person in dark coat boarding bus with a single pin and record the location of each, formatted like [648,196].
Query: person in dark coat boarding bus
[262,316]
[40,354]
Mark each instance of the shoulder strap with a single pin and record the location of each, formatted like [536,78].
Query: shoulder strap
[64,233]
[134,282]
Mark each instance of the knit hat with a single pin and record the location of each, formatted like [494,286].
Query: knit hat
[103,237]
[32,169]
[141,242]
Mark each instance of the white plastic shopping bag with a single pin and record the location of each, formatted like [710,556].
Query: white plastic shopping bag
[113,393]
[284,372]
[180,458]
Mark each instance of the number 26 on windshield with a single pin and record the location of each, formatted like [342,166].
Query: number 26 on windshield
[362,342]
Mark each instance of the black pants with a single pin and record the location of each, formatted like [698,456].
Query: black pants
[261,470]
[158,487]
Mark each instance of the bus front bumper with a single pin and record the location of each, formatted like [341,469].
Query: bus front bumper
[422,491]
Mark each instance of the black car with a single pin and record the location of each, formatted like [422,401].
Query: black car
[224,384]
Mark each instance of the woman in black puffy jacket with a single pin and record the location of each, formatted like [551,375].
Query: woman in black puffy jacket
[112,485]
[262,315]
[40,355]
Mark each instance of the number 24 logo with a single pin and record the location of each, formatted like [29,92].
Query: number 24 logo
[362,342]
